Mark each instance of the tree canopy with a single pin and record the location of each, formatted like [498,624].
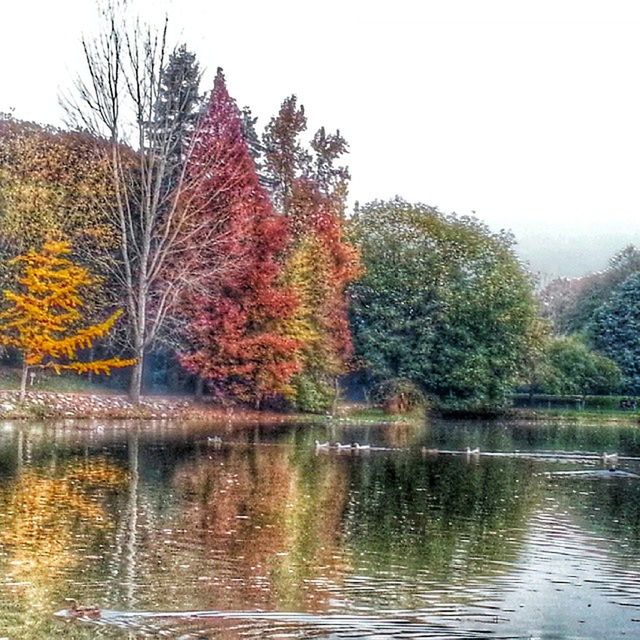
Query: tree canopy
[570,367]
[442,302]
[614,331]
[44,318]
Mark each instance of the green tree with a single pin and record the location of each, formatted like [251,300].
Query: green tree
[614,331]
[177,107]
[571,367]
[571,303]
[443,302]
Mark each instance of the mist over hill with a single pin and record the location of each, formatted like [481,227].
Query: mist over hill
[552,255]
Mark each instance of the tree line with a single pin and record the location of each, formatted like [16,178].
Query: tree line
[233,258]
[594,320]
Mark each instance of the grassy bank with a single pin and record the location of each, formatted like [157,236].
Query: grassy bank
[366,414]
[73,397]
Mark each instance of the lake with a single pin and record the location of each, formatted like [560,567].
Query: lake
[175,535]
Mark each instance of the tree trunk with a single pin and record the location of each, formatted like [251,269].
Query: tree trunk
[336,396]
[135,386]
[23,382]
[91,358]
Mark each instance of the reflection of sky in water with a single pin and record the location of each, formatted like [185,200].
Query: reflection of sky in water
[387,543]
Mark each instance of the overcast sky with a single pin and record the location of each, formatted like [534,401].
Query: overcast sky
[527,113]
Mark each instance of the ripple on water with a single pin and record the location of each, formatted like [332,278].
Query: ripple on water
[275,542]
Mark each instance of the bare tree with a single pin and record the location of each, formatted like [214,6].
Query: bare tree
[157,209]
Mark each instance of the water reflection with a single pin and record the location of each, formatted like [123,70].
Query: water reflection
[156,520]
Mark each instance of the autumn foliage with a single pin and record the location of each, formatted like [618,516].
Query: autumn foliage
[236,263]
[232,322]
[43,320]
[311,188]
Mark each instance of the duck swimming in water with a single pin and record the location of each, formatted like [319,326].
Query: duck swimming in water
[79,611]
[610,459]
[473,452]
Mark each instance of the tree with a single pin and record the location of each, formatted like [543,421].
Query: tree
[571,367]
[43,320]
[285,155]
[158,223]
[310,189]
[232,321]
[614,331]
[571,303]
[443,302]
[53,182]
[177,108]
[320,266]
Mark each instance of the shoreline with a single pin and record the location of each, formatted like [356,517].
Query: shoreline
[52,405]
[57,405]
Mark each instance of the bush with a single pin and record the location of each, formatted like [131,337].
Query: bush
[312,395]
[570,367]
[398,396]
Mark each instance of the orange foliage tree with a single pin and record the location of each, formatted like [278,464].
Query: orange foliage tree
[43,318]
[310,189]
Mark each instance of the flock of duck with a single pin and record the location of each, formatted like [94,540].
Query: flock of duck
[608,459]
[341,447]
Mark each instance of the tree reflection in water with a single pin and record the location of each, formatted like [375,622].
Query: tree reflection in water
[156,519]
[54,525]
[273,524]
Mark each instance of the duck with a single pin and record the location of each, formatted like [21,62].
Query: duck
[362,447]
[322,445]
[339,445]
[80,611]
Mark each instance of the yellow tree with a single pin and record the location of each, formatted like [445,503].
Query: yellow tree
[43,319]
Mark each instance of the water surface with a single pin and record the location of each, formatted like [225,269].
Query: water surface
[265,536]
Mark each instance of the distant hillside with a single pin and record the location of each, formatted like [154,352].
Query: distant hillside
[573,255]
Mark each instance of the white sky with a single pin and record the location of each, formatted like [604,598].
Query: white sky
[526,112]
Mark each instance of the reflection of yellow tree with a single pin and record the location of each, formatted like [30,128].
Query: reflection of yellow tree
[50,515]
[314,523]
[279,529]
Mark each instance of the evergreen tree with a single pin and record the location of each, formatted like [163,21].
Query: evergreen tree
[178,105]
[232,323]
[614,331]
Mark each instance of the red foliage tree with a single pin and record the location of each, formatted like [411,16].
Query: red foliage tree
[232,320]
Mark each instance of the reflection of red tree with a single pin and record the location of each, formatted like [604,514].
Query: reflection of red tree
[277,541]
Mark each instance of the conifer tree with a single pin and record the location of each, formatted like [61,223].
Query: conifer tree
[233,322]
[178,105]
[43,320]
